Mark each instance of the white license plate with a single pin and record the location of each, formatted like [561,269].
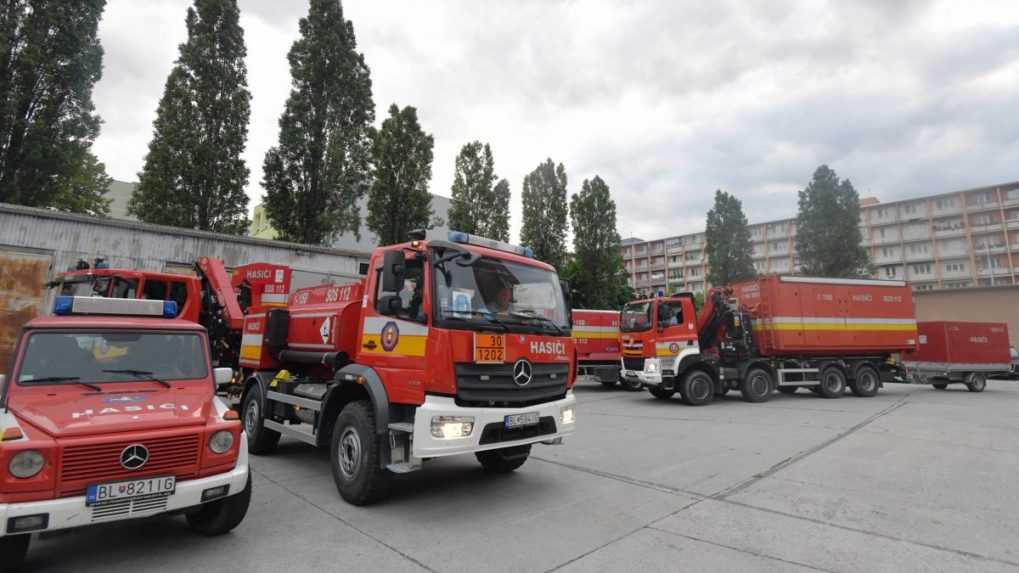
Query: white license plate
[104,492]
[520,420]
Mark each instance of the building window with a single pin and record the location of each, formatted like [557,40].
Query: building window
[922,269]
[955,267]
[919,248]
[890,272]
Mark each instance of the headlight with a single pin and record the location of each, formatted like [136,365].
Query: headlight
[651,365]
[451,427]
[26,464]
[221,441]
[567,415]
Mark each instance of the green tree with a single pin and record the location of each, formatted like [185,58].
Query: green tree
[730,254]
[194,175]
[545,211]
[828,238]
[399,200]
[50,60]
[478,204]
[596,273]
[322,165]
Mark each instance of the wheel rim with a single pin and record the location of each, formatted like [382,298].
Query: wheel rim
[832,382]
[251,418]
[866,381]
[759,384]
[700,389]
[350,453]
[979,381]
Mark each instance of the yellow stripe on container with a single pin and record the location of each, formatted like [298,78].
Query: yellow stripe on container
[603,335]
[837,326]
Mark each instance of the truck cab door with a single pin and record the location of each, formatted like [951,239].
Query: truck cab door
[676,326]
[394,328]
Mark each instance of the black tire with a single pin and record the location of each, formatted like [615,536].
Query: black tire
[833,382]
[221,516]
[631,385]
[976,382]
[261,440]
[940,385]
[697,388]
[788,389]
[355,451]
[867,381]
[756,385]
[504,460]
[13,549]
[661,393]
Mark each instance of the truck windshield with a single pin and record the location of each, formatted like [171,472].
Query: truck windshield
[122,356]
[501,294]
[636,317]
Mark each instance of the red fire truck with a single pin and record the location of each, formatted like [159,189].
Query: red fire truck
[110,413]
[773,332]
[446,347]
[596,336]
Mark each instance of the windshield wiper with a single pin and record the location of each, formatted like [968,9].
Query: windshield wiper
[70,379]
[538,317]
[488,315]
[146,374]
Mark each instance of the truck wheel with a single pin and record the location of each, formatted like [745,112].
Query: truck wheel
[788,389]
[661,393]
[221,516]
[976,382]
[939,385]
[867,381]
[13,549]
[756,385]
[504,460]
[261,440]
[355,453]
[697,388]
[833,382]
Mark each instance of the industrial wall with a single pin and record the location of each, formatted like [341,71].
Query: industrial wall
[990,304]
[35,244]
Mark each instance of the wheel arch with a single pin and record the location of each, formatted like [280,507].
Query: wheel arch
[354,382]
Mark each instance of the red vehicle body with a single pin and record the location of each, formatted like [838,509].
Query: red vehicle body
[413,363]
[99,432]
[959,352]
[596,338]
[772,332]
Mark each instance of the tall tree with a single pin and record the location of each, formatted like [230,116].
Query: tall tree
[478,204]
[828,238]
[194,175]
[730,254]
[399,200]
[322,165]
[596,273]
[544,222]
[50,60]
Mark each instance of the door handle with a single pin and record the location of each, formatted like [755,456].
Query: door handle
[370,345]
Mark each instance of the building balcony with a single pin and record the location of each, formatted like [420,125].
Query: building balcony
[919,257]
[949,232]
[998,272]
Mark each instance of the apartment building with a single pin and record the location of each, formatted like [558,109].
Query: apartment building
[961,239]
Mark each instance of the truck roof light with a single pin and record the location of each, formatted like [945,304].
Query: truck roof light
[469,239]
[76,305]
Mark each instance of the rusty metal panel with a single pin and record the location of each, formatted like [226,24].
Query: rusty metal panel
[22,290]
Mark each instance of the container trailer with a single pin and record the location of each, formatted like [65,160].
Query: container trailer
[958,353]
[596,338]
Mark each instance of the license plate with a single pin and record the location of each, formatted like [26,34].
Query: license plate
[520,420]
[98,494]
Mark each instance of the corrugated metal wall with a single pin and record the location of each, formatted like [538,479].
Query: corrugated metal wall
[49,242]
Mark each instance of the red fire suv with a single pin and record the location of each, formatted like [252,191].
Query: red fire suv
[110,413]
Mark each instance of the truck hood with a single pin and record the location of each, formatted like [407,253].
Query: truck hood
[66,413]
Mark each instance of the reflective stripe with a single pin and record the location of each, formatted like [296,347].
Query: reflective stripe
[859,282]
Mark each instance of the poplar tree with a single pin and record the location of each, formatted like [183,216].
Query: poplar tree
[50,59]
[478,204]
[596,273]
[399,200]
[729,251]
[828,238]
[321,166]
[194,175]
[545,211]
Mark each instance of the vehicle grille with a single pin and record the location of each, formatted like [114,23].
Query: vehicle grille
[137,507]
[496,432]
[633,363]
[95,463]
[492,384]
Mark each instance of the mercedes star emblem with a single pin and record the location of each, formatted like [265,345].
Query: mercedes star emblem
[134,456]
[522,372]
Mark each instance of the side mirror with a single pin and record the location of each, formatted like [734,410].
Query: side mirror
[223,375]
[392,271]
[389,304]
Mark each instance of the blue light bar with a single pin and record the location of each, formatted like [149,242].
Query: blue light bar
[469,239]
[62,305]
[170,308]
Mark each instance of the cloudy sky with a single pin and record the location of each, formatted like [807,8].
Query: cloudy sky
[665,100]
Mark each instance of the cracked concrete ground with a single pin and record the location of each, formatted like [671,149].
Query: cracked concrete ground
[911,480]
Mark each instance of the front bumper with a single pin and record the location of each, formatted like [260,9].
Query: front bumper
[69,512]
[652,379]
[428,446]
